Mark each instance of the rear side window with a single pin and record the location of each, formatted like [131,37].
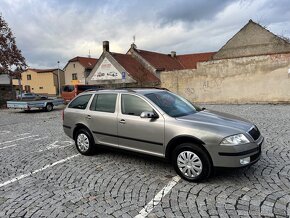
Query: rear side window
[104,103]
[133,105]
[80,102]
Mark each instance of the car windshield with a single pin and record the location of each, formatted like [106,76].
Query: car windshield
[173,105]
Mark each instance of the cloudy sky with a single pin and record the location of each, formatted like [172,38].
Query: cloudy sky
[48,31]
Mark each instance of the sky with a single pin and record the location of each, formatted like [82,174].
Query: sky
[48,31]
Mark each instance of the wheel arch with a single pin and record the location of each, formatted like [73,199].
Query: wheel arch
[79,126]
[184,139]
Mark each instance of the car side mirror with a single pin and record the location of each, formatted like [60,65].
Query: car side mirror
[147,114]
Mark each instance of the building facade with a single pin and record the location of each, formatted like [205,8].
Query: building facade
[78,69]
[41,81]
[115,70]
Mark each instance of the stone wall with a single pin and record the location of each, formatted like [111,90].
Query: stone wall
[256,79]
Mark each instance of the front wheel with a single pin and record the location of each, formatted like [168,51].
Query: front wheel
[191,162]
[84,142]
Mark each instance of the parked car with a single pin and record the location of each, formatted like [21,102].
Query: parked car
[160,123]
[30,95]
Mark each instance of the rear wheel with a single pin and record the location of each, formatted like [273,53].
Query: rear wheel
[49,107]
[191,162]
[84,142]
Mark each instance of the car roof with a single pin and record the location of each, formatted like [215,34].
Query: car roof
[141,91]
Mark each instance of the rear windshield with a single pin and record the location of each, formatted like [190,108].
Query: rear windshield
[68,88]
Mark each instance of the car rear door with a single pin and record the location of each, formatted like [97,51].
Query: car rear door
[139,134]
[102,119]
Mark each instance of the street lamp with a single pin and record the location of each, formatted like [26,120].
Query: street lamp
[58,78]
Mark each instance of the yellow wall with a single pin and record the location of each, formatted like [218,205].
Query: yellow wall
[256,79]
[46,80]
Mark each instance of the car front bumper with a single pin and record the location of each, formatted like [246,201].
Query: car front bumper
[235,156]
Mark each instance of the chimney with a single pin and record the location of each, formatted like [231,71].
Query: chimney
[173,54]
[133,46]
[106,46]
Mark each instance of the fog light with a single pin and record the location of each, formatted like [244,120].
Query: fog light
[244,161]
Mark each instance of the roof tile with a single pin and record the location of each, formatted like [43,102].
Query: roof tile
[168,63]
[160,61]
[134,68]
[189,61]
[86,62]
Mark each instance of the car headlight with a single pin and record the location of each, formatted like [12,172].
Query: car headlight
[235,140]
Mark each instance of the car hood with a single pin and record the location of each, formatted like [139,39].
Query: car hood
[218,119]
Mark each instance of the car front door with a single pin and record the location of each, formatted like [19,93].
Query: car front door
[144,135]
[102,119]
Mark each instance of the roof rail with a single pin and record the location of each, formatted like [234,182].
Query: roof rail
[129,88]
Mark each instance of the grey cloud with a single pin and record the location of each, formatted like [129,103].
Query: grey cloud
[51,30]
[190,11]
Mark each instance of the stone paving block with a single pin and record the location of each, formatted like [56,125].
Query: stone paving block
[111,184]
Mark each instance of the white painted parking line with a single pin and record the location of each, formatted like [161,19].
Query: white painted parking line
[36,171]
[40,138]
[9,146]
[19,139]
[157,198]
[56,144]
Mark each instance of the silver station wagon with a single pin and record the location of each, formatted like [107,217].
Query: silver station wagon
[160,123]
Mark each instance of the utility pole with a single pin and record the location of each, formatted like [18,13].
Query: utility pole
[58,78]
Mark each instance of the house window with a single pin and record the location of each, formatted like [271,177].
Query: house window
[74,65]
[40,87]
[74,76]
[28,77]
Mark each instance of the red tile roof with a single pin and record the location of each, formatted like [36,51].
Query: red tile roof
[160,61]
[87,63]
[134,68]
[43,70]
[189,61]
[167,62]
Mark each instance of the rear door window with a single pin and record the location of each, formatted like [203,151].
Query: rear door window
[104,103]
[80,102]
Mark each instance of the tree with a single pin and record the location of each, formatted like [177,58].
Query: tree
[11,60]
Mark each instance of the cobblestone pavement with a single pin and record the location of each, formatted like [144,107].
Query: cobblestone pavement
[42,174]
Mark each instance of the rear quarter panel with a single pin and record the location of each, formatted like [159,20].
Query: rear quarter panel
[72,117]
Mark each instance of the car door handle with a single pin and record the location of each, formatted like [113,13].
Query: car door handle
[89,117]
[122,121]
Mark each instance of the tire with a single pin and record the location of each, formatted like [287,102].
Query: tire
[49,107]
[191,162]
[84,142]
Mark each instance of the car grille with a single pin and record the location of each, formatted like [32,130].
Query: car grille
[255,133]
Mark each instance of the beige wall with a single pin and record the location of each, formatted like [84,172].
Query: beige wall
[74,67]
[256,79]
